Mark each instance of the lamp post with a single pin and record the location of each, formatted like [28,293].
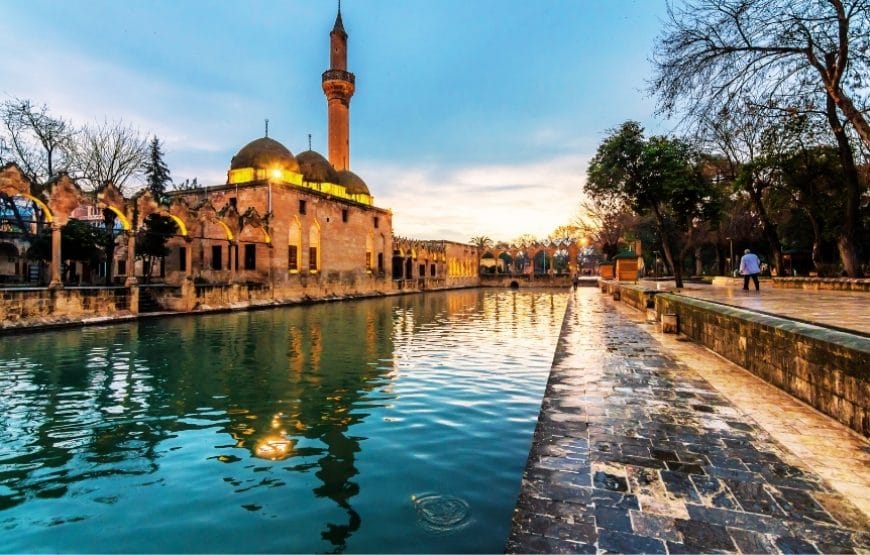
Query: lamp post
[730,256]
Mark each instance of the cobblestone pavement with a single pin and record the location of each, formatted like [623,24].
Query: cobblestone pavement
[848,310]
[635,452]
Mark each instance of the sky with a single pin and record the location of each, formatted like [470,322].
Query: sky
[470,117]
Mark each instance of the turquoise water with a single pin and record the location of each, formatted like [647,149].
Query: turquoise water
[386,425]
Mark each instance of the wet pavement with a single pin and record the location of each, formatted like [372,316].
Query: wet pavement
[846,310]
[636,451]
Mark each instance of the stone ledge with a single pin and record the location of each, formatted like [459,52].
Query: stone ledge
[828,369]
[822,284]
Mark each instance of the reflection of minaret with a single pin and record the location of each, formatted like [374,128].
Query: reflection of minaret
[338,86]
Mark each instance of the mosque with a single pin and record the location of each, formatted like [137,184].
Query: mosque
[282,227]
[307,222]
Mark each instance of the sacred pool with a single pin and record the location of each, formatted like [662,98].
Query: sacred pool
[398,424]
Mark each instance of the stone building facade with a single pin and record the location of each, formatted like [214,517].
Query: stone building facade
[282,228]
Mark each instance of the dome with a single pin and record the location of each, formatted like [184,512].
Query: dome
[264,153]
[315,168]
[353,183]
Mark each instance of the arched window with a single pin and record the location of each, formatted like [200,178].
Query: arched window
[294,246]
[314,248]
[370,247]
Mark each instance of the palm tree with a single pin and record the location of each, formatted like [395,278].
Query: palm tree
[482,242]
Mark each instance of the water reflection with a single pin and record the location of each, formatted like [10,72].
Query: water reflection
[162,419]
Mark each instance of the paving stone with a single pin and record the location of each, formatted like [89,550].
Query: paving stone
[752,542]
[619,542]
[635,452]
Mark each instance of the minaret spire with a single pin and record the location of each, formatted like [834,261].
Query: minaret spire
[338,86]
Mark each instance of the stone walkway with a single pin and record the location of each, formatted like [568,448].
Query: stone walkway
[635,451]
[847,310]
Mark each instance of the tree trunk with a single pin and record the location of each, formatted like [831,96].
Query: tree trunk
[109,245]
[846,237]
[699,263]
[817,240]
[767,226]
[664,231]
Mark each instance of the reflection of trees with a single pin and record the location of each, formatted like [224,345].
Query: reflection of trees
[80,422]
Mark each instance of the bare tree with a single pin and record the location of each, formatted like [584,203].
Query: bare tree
[41,144]
[111,152]
[781,52]
[605,222]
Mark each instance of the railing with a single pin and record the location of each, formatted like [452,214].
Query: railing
[338,75]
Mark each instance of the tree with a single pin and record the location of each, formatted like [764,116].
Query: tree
[111,152]
[481,241]
[187,185]
[801,57]
[157,176]
[605,222]
[781,52]
[80,242]
[151,240]
[658,176]
[39,143]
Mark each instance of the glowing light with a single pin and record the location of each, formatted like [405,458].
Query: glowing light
[277,173]
[274,448]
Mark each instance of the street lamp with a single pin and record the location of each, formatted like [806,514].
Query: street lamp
[730,256]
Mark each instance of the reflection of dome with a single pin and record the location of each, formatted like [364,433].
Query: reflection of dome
[353,183]
[264,153]
[315,168]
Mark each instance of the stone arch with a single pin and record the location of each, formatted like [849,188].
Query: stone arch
[111,198]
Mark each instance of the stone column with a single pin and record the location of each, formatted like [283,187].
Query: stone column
[56,257]
[131,259]
[188,257]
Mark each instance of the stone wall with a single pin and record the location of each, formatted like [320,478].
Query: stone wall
[827,369]
[636,296]
[26,307]
[822,284]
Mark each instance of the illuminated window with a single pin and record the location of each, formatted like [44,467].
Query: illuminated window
[294,243]
[314,248]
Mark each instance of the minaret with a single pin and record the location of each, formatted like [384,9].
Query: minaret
[338,86]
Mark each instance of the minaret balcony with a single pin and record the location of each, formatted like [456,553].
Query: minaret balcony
[338,75]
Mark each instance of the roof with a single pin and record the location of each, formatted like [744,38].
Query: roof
[315,168]
[264,153]
[353,183]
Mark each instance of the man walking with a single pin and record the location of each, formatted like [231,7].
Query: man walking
[750,267]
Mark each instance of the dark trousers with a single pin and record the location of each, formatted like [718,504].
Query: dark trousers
[746,281]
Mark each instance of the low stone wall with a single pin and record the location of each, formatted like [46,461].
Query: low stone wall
[36,306]
[828,369]
[524,280]
[636,296]
[822,284]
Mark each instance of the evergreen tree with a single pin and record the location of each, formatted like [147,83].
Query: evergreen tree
[156,171]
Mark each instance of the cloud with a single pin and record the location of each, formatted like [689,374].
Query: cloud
[86,90]
[501,201]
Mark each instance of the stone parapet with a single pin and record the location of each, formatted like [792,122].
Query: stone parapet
[822,284]
[33,307]
[636,296]
[828,369]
